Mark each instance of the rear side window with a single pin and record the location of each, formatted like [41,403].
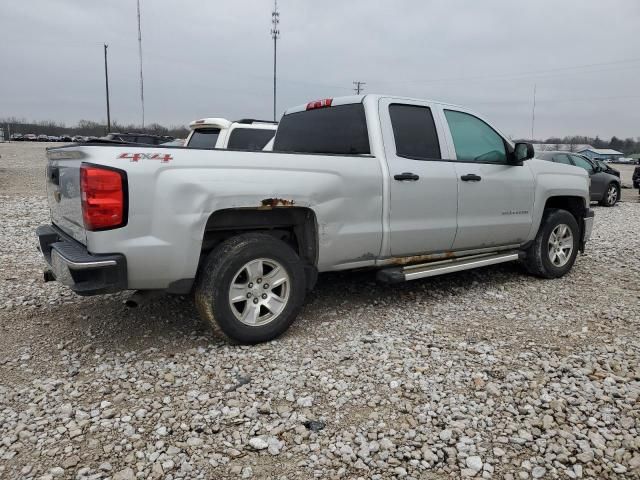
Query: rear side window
[474,140]
[340,130]
[414,131]
[249,138]
[204,138]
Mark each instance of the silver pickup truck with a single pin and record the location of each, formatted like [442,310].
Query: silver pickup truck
[408,187]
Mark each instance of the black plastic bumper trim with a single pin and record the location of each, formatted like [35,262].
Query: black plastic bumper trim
[73,266]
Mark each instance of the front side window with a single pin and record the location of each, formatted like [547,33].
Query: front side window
[582,163]
[414,132]
[474,140]
[204,138]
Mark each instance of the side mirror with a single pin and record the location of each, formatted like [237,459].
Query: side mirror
[523,151]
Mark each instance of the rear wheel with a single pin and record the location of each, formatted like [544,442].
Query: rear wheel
[611,196]
[555,247]
[252,287]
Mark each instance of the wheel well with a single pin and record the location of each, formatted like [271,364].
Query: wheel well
[574,205]
[296,226]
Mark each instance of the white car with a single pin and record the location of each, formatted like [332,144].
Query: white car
[245,134]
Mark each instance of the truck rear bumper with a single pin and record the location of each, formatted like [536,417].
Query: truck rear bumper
[72,265]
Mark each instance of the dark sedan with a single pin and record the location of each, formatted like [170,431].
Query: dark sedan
[605,187]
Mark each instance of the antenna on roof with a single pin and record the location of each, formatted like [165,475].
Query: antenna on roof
[533,111]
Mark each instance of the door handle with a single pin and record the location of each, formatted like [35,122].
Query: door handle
[406,176]
[470,177]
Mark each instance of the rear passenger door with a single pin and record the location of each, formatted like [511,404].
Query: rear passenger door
[423,189]
[495,198]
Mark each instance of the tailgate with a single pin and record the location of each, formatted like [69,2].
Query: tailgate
[63,191]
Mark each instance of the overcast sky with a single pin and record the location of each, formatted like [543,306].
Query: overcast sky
[214,58]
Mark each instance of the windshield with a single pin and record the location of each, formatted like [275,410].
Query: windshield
[204,138]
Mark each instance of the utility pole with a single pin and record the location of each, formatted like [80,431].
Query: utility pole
[106,83]
[275,34]
[359,87]
[140,55]
[533,111]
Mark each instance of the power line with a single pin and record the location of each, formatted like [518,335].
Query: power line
[140,55]
[515,75]
[275,34]
[359,87]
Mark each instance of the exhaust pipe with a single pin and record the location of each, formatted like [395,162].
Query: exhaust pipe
[48,276]
[142,297]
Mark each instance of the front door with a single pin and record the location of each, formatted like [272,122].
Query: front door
[495,198]
[423,188]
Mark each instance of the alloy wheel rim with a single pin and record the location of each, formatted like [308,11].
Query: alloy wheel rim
[612,195]
[259,292]
[560,245]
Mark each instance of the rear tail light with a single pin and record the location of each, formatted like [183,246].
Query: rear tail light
[319,104]
[103,197]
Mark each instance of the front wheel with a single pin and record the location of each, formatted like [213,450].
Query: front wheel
[611,196]
[252,286]
[555,247]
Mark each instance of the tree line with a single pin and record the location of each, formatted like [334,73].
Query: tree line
[627,146]
[86,128]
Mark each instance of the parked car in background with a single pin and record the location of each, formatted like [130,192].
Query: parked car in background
[623,161]
[66,138]
[30,137]
[636,178]
[605,187]
[16,137]
[42,138]
[245,134]
[141,138]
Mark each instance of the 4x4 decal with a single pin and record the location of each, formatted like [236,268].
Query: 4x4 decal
[136,157]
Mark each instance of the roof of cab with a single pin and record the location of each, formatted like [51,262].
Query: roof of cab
[344,100]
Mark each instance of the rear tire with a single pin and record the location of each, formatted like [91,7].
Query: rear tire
[555,247]
[252,286]
[611,195]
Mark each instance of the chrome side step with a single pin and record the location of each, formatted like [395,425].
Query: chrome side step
[431,269]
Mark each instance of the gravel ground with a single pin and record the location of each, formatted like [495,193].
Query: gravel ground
[489,373]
